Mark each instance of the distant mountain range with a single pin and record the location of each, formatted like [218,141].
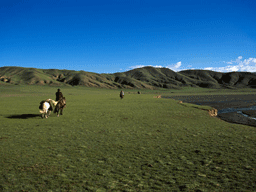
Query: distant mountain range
[140,78]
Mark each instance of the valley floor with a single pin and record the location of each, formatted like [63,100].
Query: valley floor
[138,143]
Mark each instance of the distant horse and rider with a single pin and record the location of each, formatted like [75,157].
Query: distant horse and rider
[47,106]
[122,94]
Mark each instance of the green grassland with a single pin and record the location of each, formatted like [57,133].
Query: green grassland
[103,143]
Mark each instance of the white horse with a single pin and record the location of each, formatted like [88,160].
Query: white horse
[46,107]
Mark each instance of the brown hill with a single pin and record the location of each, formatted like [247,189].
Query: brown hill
[140,78]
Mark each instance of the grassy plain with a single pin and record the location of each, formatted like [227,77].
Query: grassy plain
[103,143]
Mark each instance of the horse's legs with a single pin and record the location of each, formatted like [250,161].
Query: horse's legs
[49,113]
[44,114]
[61,112]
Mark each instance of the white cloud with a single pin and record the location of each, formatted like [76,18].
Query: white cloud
[175,67]
[158,66]
[178,65]
[208,68]
[137,66]
[250,61]
[248,65]
[140,66]
[239,64]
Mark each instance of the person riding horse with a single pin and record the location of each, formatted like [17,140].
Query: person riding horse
[60,106]
[122,94]
[59,95]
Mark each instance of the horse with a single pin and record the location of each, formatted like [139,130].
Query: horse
[60,106]
[46,107]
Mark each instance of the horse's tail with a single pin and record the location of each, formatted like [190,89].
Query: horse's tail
[41,105]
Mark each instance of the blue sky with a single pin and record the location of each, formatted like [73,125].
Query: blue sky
[108,36]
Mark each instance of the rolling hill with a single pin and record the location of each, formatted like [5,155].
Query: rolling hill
[140,78]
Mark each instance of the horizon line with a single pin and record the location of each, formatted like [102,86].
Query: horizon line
[147,66]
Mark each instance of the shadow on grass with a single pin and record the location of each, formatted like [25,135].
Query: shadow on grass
[23,116]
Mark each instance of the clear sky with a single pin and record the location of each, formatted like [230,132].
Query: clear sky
[107,36]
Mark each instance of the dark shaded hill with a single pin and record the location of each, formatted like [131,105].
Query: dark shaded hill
[226,80]
[140,78]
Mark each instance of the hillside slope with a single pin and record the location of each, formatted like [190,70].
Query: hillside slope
[140,78]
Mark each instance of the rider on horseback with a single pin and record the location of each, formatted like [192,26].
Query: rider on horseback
[59,95]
